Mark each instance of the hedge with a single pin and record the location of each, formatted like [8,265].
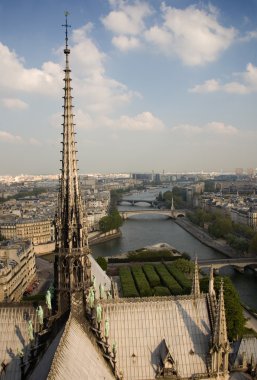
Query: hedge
[151,259]
[168,280]
[183,281]
[161,291]
[127,283]
[151,275]
[141,281]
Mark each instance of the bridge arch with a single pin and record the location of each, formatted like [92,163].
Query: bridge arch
[133,202]
[173,214]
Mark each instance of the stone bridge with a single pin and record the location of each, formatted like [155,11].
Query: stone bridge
[135,201]
[235,262]
[173,214]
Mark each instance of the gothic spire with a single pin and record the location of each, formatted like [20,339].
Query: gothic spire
[71,214]
[196,285]
[220,344]
[220,337]
[72,264]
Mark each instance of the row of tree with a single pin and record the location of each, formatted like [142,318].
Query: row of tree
[179,198]
[24,193]
[240,237]
[110,222]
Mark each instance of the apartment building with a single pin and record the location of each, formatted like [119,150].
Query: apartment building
[17,269]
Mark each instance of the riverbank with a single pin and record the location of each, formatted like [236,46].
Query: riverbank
[251,318]
[201,235]
[98,238]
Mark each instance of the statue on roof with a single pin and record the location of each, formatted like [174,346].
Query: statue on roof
[93,281]
[106,328]
[40,315]
[30,330]
[99,313]
[91,297]
[101,291]
[49,300]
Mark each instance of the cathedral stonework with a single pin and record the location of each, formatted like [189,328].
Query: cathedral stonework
[72,266]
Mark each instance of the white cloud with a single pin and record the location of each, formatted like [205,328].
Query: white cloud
[144,121]
[86,58]
[94,91]
[193,34]
[99,92]
[10,138]
[127,19]
[16,139]
[246,84]
[186,129]
[83,120]
[33,141]
[160,37]
[15,76]
[210,129]
[125,43]
[251,35]
[14,103]
[221,128]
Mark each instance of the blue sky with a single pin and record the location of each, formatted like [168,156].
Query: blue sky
[158,85]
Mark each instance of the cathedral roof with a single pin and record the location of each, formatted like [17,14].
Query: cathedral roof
[246,350]
[138,327]
[14,336]
[77,357]
[100,276]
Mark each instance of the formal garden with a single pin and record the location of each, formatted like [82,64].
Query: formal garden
[175,278]
[161,279]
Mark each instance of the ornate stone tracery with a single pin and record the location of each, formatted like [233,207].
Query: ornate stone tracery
[72,265]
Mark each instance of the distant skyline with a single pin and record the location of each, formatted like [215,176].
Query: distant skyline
[157,85]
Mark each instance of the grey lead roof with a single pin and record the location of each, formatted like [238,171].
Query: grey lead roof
[100,276]
[77,357]
[138,328]
[247,347]
[14,337]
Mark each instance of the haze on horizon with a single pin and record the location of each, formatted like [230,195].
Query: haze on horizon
[157,85]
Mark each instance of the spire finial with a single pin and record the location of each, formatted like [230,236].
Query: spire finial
[66,26]
[211,282]
[220,344]
[196,285]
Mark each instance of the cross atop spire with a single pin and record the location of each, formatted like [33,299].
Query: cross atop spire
[66,26]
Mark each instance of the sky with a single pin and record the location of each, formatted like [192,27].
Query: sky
[158,85]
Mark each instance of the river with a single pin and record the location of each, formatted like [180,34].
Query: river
[143,230]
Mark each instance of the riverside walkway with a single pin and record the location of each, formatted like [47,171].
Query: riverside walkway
[201,235]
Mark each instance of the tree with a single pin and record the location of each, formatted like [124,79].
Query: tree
[111,222]
[102,262]
[221,227]
[178,196]
[234,311]
[253,244]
